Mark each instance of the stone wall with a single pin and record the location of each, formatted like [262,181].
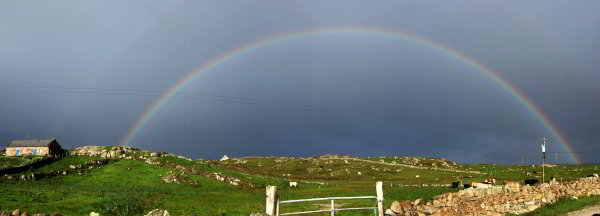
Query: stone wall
[81,169]
[498,200]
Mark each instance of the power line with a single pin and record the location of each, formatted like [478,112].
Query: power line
[10,134]
[232,99]
[575,152]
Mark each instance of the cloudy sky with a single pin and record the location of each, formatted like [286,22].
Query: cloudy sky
[86,71]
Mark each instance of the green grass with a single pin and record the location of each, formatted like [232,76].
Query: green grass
[129,187]
[65,163]
[564,206]
[7,162]
[111,189]
[338,169]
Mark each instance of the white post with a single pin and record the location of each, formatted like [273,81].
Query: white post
[544,160]
[272,197]
[332,208]
[379,189]
[277,211]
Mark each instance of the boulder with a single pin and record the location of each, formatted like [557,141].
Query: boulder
[399,207]
[171,177]
[94,214]
[416,202]
[396,208]
[16,212]
[389,212]
[158,212]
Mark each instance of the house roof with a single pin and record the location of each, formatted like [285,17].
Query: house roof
[30,143]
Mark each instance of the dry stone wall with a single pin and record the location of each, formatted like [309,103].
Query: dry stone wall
[498,200]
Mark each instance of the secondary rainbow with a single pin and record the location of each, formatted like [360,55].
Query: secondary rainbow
[336,30]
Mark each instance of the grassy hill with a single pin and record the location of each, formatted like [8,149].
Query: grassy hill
[134,183]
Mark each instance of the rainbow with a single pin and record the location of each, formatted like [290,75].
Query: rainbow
[336,30]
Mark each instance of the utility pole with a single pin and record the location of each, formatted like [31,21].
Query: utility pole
[543,159]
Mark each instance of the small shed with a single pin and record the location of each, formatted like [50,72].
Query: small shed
[34,147]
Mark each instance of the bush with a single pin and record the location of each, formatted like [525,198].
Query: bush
[123,205]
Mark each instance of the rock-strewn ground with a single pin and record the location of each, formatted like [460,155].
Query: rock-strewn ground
[499,200]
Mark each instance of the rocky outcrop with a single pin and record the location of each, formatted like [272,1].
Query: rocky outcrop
[213,175]
[123,152]
[500,200]
[445,167]
[178,178]
[158,212]
[103,151]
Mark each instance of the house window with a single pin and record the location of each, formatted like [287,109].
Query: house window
[34,151]
[18,152]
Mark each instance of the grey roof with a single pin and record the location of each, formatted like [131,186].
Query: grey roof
[30,143]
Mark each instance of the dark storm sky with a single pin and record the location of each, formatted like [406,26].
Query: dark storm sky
[548,49]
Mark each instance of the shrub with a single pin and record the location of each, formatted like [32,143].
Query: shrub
[129,204]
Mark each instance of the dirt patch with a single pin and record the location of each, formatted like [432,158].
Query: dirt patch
[587,211]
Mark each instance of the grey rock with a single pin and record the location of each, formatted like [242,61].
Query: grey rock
[389,212]
[158,212]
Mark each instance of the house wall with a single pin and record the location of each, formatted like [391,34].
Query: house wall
[12,151]
[55,149]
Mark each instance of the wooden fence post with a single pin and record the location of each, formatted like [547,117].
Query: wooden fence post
[272,198]
[379,188]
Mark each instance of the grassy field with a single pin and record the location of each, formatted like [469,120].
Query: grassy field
[132,187]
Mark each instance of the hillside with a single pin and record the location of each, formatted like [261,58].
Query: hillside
[129,181]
